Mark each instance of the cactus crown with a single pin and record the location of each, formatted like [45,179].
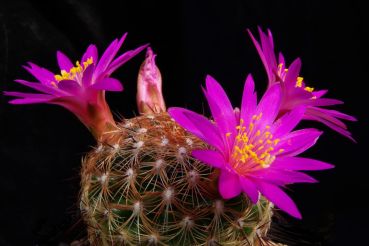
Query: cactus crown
[143,188]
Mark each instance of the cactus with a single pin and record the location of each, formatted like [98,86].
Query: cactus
[142,187]
[179,178]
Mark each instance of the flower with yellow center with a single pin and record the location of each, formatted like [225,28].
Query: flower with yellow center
[254,150]
[79,88]
[294,91]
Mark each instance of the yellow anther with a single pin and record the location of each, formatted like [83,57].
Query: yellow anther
[280,150]
[73,71]
[299,81]
[89,61]
[286,69]
[228,134]
[276,141]
[245,151]
[251,126]
[309,89]
[58,77]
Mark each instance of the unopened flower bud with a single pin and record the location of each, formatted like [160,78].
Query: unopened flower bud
[149,95]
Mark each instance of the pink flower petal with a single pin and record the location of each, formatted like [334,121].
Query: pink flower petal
[282,177]
[293,73]
[325,102]
[268,64]
[331,125]
[229,185]
[197,125]
[91,52]
[320,93]
[41,74]
[108,56]
[269,105]
[208,130]
[333,113]
[249,100]
[88,75]
[69,86]
[178,114]
[279,198]
[250,189]
[27,95]
[220,106]
[300,163]
[210,157]
[125,57]
[288,121]
[29,101]
[298,141]
[40,87]
[63,61]
[108,84]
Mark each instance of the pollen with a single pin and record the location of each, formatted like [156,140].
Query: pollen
[299,81]
[309,89]
[74,73]
[254,147]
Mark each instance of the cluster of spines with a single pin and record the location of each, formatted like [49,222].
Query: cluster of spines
[142,187]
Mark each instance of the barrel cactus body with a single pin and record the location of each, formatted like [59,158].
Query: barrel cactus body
[142,187]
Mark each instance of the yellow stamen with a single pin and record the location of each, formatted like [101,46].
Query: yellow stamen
[309,89]
[249,144]
[73,72]
[299,81]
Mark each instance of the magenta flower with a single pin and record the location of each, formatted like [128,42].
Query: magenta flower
[294,90]
[81,87]
[253,151]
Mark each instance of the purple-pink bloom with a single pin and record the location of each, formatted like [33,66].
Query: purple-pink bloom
[254,151]
[294,90]
[81,87]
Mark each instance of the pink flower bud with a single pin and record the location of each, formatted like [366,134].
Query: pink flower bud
[149,95]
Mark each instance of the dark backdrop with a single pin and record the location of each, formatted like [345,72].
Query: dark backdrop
[41,145]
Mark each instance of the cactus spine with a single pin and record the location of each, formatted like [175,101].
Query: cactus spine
[141,186]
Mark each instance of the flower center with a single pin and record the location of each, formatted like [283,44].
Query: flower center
[75,73]
[254,147]
[282,72]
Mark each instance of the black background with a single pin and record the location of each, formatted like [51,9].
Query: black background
[41,145]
